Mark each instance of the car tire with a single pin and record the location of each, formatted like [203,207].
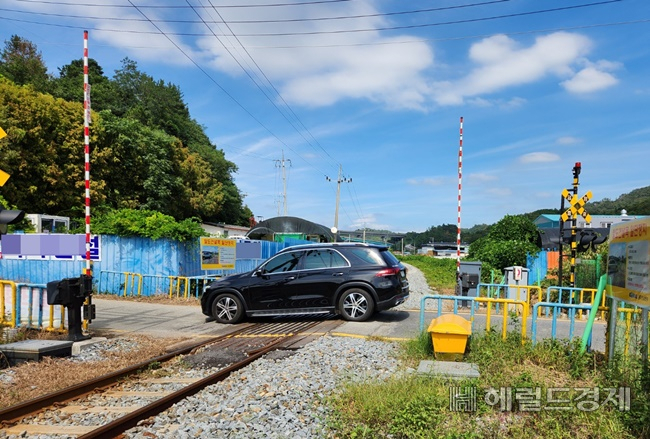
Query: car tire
[356,305]
[227,308]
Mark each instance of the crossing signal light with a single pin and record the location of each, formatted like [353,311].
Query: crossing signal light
[590,238]
[9,217]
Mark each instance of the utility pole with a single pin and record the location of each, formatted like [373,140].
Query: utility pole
[281,164]
[340,180]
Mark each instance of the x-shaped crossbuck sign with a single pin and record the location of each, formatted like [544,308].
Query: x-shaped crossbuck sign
[577,206]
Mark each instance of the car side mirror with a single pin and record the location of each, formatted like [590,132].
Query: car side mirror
[258,273]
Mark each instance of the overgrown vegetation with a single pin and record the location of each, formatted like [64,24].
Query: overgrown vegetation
[147,224]
[418,406]
[440,273]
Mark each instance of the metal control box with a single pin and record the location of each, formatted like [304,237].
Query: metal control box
[470,277]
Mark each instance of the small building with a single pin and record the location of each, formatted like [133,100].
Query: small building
[443,250]
[280,228]
[49,223]
[225,230]
[552,221]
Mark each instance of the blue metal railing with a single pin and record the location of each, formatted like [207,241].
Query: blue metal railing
[571,313]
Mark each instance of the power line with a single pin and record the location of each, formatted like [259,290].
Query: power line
[341,31]
[213,80]
[444,23]
[268,81]
[380,43]
[273,5]
[285,20]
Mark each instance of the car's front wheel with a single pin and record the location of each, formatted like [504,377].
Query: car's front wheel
[356,305]
[227,308]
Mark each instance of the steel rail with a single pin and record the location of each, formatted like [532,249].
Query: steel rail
[260,338]
[130,420]
[18,411]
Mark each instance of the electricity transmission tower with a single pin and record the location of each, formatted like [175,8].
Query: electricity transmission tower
[282,164]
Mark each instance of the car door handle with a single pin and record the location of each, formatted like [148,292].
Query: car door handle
[337,274]
[291,278]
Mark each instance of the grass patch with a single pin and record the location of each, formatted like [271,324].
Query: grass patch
[418,406]
[440,273]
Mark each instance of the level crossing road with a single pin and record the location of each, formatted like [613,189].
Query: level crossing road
[169,320]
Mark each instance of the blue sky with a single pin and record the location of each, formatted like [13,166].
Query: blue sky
[377,88]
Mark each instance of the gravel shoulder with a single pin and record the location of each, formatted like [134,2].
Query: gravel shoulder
[418,289]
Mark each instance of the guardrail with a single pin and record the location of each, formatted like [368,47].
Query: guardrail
[28,307]
[111,282]
[12,299]
[136,284]
[519,293]
[475,301]
[573,296]
[556,307]
[178,281]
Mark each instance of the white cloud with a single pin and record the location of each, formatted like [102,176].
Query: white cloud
[317,69]
[593,77]
[539,157]
[369,221]
[501,63]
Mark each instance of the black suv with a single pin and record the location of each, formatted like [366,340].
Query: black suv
[353,280]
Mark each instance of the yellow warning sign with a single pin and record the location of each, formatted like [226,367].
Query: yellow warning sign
[577,206]
[3,177]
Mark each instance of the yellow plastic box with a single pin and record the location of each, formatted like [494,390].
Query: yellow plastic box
[449,333]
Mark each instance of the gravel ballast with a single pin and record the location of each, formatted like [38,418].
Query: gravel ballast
[273,397]
[279,398]
[282,398]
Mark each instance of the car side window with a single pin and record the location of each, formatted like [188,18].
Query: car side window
[366,256]
[283,262]
[315,259]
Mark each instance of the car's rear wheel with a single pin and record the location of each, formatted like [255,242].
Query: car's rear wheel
[227,308]
[356,305]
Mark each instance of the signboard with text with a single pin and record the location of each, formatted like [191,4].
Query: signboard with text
[628,263]
[218,253]
[46,247]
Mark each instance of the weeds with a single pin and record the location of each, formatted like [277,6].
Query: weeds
[419,406]
[440,273]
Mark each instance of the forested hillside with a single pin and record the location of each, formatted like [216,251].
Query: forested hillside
[636,202]
[146,150]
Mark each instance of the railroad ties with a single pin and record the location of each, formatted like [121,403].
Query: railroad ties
[118,401]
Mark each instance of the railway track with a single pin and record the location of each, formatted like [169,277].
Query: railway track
[107,406]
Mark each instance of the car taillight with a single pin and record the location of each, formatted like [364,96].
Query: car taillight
[388,272]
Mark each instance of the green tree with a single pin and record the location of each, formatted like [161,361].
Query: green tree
[69,85]
[146,150]
[22,63]
[508,243]
[206,174]
[44,151]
